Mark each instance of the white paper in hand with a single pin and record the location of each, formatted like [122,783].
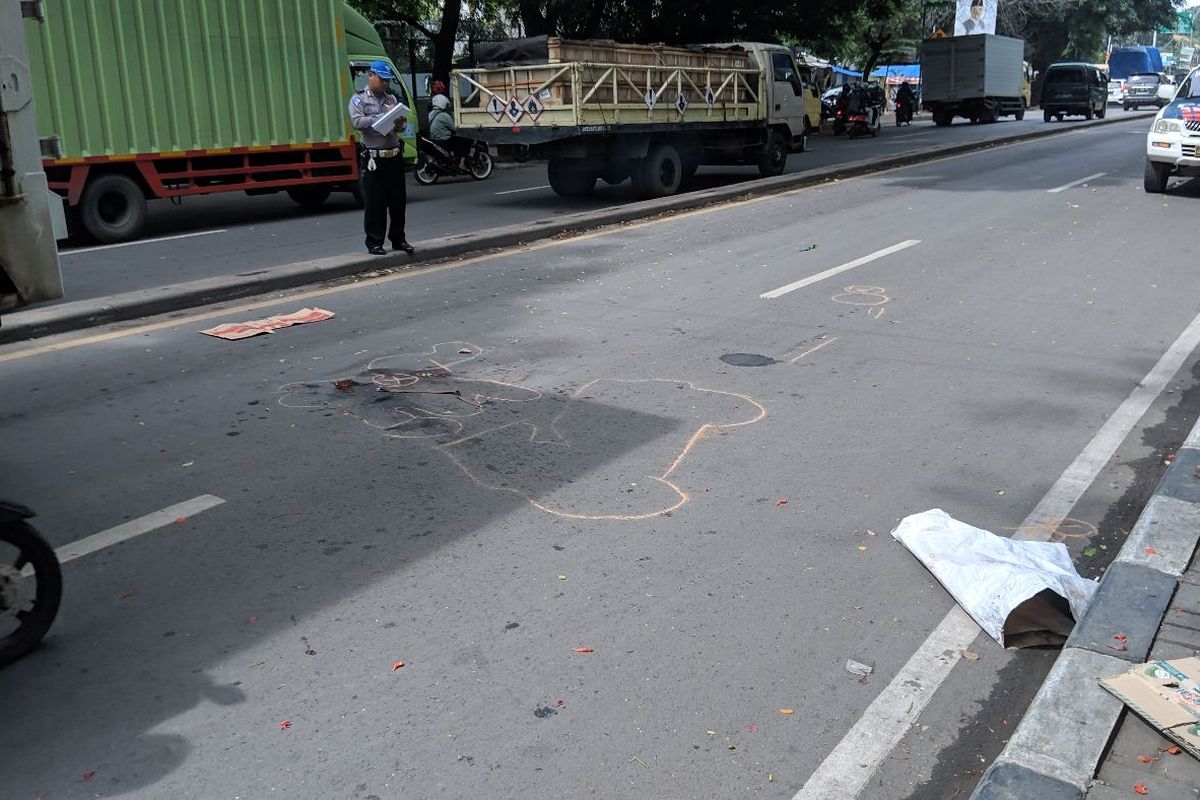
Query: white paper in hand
[1000,582]
[387,122]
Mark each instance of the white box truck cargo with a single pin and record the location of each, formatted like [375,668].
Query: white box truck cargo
[978,77]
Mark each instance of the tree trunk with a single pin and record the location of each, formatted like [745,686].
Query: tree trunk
[876,46]
[444,40]
[533,19]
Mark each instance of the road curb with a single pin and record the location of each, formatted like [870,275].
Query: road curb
[70,316]
[1062,736]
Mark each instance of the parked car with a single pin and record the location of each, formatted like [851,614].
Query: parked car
[1074,88]
[1173,144]
[1144,90]
[1117,88]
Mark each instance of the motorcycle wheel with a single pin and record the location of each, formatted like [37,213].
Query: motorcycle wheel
[481,165]
[426,174]
[28,605]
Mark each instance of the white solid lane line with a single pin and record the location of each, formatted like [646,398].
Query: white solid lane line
[1073,184]
[846,770]
[66,253]
[528,189]
[829,273]
[136,527]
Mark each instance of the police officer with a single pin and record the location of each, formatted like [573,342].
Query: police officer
[382,165]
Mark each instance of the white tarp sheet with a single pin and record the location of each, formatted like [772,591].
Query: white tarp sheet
[1004,584]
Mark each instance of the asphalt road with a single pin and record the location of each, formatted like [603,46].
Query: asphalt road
[231,233]
[603,480]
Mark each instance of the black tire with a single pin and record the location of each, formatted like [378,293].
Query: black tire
[1157,175]
[942,120]
[774,156]
[425,174]
[34,551]
[1126,106]
[1047,116]
[309,198]
[481,165]
[1060,116]
[569,180]
[1020,114]
[1103,112]
[113,209]
[660,173]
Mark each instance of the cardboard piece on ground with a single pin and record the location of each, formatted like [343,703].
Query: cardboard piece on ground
[1167,695]
[244,330]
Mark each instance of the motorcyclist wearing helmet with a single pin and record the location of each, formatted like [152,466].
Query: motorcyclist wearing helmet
[441,130]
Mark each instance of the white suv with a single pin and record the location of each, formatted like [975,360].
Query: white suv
[1173,145]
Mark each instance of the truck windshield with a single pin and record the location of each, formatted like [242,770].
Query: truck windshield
[1192,86]
[1064,76]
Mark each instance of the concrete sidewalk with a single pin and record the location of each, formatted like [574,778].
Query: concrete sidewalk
[1061,750]
[1174,776]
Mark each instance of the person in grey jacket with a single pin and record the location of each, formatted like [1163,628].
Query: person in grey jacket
[383,165]
[441,130]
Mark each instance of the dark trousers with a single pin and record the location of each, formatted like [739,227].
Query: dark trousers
[383,194]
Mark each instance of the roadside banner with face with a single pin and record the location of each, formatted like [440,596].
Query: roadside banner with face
[975,16]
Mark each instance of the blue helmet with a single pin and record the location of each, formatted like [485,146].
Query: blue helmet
[383,70]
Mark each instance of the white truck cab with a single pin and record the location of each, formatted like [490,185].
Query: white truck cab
[1173,144]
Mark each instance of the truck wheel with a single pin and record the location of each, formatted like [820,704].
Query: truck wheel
[774,156]
[310,198]
[942,119]
[1126,106]
[1047,116]
[1157,175]
[660,172]
[568,180]
[113,209]
[1089,112]
[1102,112]
[1020,115]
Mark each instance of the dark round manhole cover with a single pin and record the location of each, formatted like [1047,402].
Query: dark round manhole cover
[747,360]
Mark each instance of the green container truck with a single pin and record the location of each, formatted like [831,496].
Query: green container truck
[141,99]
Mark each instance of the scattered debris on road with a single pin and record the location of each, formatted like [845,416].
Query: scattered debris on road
[783,501]
[640,763]
[858,668]
[1164,694]
[1014,589]
[968,655]
[285,724]
[233,331]
[397,665]
[543,712]
[581,650]
[787,711]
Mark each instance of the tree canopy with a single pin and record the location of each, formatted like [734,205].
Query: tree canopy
[861,31]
